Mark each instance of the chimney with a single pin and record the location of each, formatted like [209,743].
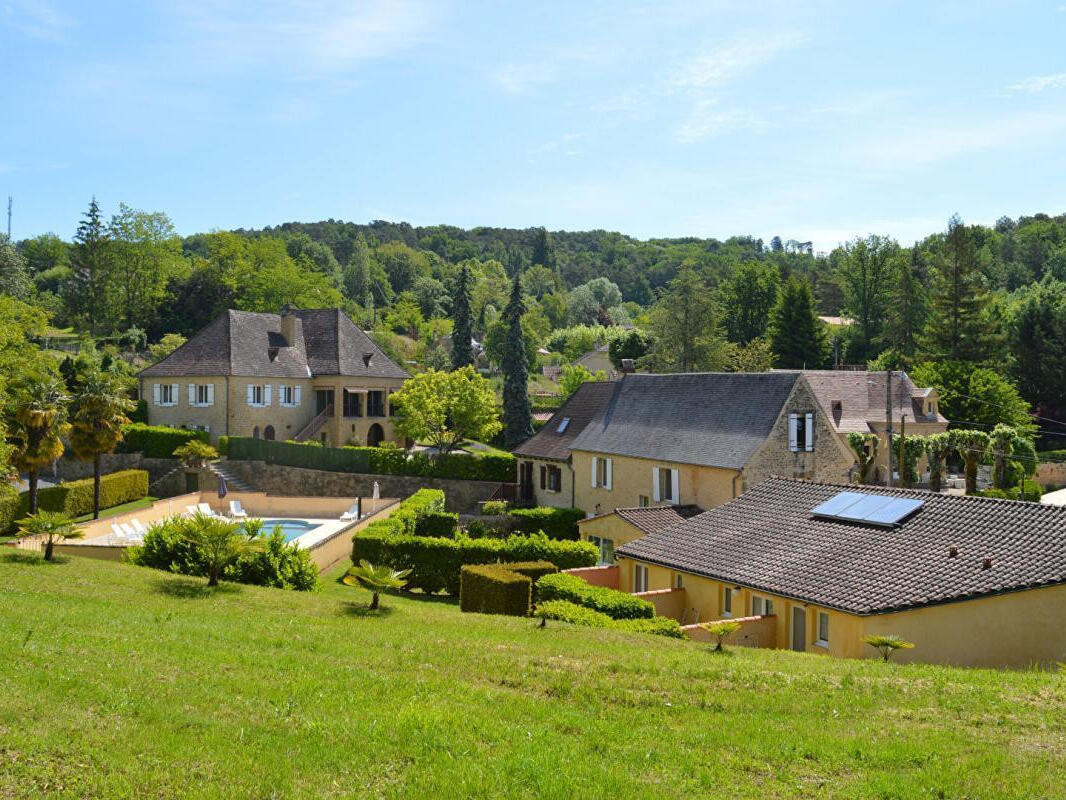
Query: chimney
[986,564]
[628,366]
[953,552]
[289,324]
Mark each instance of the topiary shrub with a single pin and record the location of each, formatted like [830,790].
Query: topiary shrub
[494,589]
[10,505]
[156,441]
[493,508]
[612,602]
[558,523]
[437,523]
[565,611]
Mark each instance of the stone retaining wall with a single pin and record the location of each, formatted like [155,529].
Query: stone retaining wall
[462,496]
[71,469]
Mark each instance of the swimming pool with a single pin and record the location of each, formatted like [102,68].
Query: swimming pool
[291,528]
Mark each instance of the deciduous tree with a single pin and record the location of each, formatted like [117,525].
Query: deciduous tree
[444,408]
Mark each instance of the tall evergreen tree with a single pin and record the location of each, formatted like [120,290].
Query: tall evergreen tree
[797,336]
[959,326]
[517,411]
[747,298]
[907,307]
[463,328]
[86,290]
[543,249]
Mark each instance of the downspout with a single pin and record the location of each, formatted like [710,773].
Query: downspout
[227,406]
[573,482]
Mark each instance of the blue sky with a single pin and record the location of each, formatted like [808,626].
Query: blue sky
[812,120]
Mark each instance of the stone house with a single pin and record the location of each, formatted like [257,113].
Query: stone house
[815,567]
[299,375]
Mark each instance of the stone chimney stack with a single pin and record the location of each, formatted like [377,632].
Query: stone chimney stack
[290,325]
[628,366]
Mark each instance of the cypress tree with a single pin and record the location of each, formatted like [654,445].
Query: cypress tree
[462,330]
[797,336]
[85,291]
[517,412]
[907,308]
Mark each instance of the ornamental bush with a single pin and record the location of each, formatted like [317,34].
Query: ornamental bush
[437,523]
[565,611]
[558,523]
[612,602]
[10,505]
[436,562]
[76,497]
[156,441]
[500,588]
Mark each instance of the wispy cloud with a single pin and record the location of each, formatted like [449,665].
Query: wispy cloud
[37,19]
[706,119]
[546,67]
[1039,83]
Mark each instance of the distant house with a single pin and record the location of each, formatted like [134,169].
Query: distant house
[299,375]
[623,525]
[545,475]
[815,567]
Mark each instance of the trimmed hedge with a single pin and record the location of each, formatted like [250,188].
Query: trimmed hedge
[437,523]
[435,562]
[375,460]
[500,588]
[76,497]
[558,523]
[565,611]
[156,441]
[10,503]
[613,603]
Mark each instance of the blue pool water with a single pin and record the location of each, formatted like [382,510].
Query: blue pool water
[292,528]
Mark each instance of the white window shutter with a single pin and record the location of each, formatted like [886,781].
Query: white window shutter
[266,394]
[192,394]
[210,394]
[674,488]
[656,496]
[174,389]
[792,432]
[155,393]
[296,397]
[610,473]
[809,430]
[251,395]
[594,466]
[281,395]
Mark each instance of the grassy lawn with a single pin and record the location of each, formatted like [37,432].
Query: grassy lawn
[114,511]
[125,682]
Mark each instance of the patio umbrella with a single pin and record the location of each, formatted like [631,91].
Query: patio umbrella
[377,491]
[223,490]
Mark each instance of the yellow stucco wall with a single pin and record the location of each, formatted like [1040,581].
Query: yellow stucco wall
[564,498]
[609,526]
[632,478]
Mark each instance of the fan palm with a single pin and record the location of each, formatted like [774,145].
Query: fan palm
[720,629]
[98,413]
[53,526]
[887,644]
[220,541]
[35,428]
[376,579]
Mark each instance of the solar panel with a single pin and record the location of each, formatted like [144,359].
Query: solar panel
[563,424]
[874,509]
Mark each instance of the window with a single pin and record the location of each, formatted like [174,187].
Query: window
[606,549]
[166,394]
[727,602]
[201,395]
[289,396]
[679,581]
[801,432]
[353,404]
[394,408]
[258,395]
[823,629]
[665,485]
[761,606]
[553,479]
[563,425]
[640,578]
[769,610]
[643,501]
[375,403]
[601,473]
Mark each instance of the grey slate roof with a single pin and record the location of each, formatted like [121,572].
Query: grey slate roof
[715,419]
[581,407]
[240,343]
[852,399]
[652,519]
[766,539]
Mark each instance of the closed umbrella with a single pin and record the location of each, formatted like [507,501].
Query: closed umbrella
[377,491]
[223,490]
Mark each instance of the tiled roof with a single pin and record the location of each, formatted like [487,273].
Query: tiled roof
[581,407]
[853,399]
[241,343]
[767,539]
[715,419]
[652,519]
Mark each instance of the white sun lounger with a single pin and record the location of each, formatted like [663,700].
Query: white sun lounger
[191,511]
[236,510]
[206,510]
[351,513]
[117,531]
[128,530]
[138,526]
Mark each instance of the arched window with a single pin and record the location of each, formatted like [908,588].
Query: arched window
[375,435]
[268,433]
[255,432]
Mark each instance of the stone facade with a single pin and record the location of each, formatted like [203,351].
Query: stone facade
[462,496]
[71,469]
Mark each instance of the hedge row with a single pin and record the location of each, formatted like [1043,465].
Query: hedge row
[375,460]
[558,523]
[613,603]
[156,441]
[501,588]
[565,611]
[76,497]
[435,562]
[10,503]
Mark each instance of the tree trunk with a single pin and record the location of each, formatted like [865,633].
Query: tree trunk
[374,602]
[96,486]
[48,546]
[971,474]
[934,474]
[33,490]
[212,577]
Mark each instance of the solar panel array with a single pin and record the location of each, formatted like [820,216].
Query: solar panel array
[874,509]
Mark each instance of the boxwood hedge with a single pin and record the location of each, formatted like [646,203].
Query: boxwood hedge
[76,497]
[500,588]
[565,611]
[156,441]
[613,603]
[558,523]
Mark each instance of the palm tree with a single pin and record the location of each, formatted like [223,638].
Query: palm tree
[220,541]
[53,526]
[376,579]
[721,629]
[35,428]
[887,644]
[98,413]
[971,446]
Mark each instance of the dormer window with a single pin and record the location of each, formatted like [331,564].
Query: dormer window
[272,353]
[366,359]
[563,425]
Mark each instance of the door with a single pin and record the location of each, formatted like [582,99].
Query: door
[374,435]
[323,399]
[525,479]
[799,629]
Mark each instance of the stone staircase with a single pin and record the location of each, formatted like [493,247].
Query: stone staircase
[233,483]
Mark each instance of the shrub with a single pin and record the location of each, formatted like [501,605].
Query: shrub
[558,523]
[613,603]
[720,630]
[10,505]
[493,508]
[195,453]
[565,611]
[376,460]
[76,497]
[437,523]
[156,441]
[167,546]
[140,413]
[223,445]
[421,504]
[1033,490]
[494,589]
[435,562]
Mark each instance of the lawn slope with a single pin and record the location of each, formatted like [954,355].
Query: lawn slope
[117,681]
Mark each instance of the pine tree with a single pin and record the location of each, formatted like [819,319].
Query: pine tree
[517,412]
[462,330]
[797,336]
[86,290]
[544,253]
[959,326]
[907,306]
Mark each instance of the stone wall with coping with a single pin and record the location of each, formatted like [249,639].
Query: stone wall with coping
[72,469]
